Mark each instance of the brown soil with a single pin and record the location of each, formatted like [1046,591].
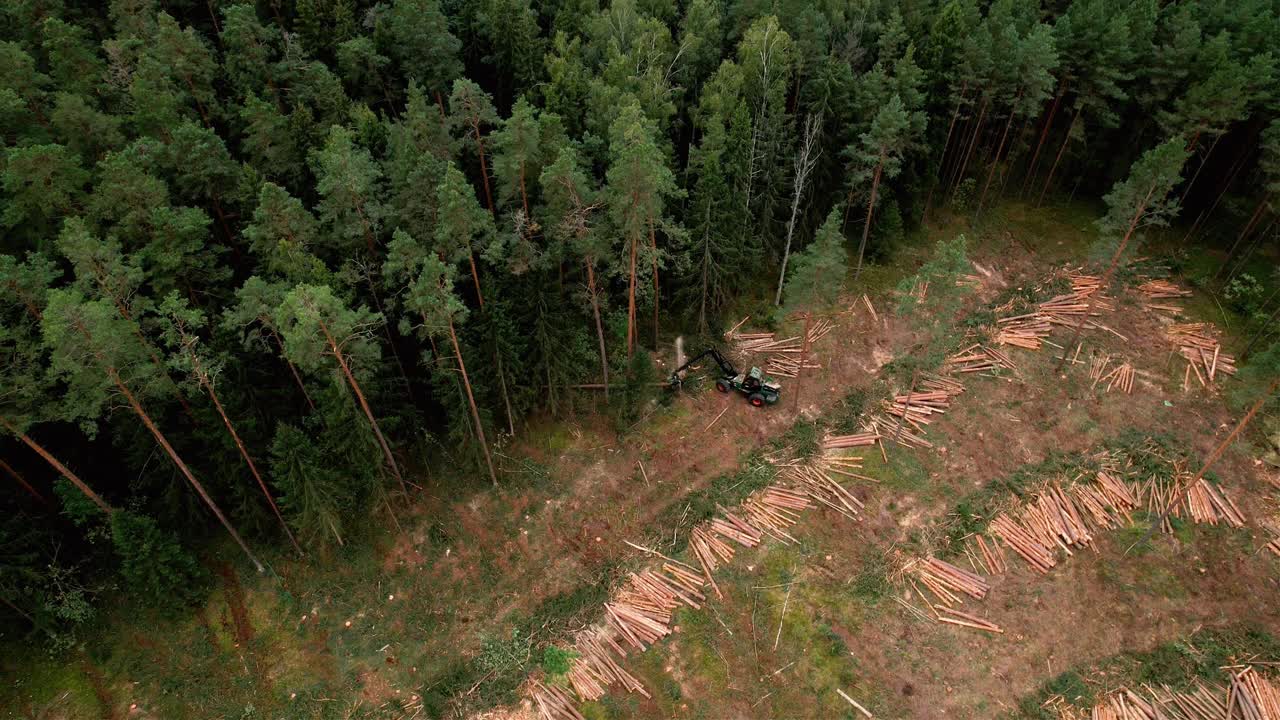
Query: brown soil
[234,595]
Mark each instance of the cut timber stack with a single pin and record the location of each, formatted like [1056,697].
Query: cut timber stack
[1057,519]
[1024,331]
[1199,346]
[946,581]
[595,669]
[986,555]
[783,355]
[1249,696]
[1162,289]
[1029,331]
[1203,502]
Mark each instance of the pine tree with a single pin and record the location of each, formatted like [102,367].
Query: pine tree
[349,184]
[283,235]
[318,327]
[416,33]
[879,156]
[254,317]
[571,203]
[428,293]
[817,276]
[94,351]
[311,490]
[639,184]
[462,226]
[44,183]
[181,325]
[470,113]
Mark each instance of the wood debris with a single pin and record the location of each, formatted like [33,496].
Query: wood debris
[1029,330]
[946,581]
[782,355]
[553,703]
[834,442]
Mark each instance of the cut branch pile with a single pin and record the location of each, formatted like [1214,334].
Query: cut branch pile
[977,358]
[1199,346]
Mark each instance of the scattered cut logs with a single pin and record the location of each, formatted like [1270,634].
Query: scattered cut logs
[553,703]
[835,442]
[1029,330]
[952,616]
[1199,346]
[1120,377]
[977,358]
[1162,289]
[783,355]
[945,580]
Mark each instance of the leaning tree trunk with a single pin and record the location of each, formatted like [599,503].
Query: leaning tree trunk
[1065,139]
[871,206]
[928,201]
[1236,167]
[484,168]
[1262,332]
[1106,277]
[364,404]
[244,453]
[631,301]
[964,164]
[62,469]
[1248,228]
[475,413]
[653,246]
[292,368]
[23,482]
[595,309]
[1208,153]
[182,466]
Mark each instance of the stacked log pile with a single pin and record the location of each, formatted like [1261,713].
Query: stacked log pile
[1249,695]
[862,439]
[1024,331]
[904,417]
[947,583]
[985,554]
[1029,330]
[823,490]
[1199,346]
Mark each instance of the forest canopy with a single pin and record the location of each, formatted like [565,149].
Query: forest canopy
[262,261]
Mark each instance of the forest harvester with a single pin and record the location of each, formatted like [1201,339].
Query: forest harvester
[758,389]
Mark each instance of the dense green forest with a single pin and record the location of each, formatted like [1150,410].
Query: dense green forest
[264,264]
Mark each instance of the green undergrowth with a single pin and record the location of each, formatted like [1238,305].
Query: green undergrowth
[1178,664]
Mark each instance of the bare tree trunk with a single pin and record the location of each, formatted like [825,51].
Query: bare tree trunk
[22,481]
[364,404]
[805,161]
[182,466]
[1248,251]
[62,469]
[804,352]
[475,277]
[386,329]
[475,413]
[1044,135]
[1008,173]
[1065,139]
[244,453]
[1236,167]
[502,385]
[595,309]
[996,161]
[866,226]
[484,168]
[524,193]
[1203,162]
[706,262]
[1262,332]
[1106,277]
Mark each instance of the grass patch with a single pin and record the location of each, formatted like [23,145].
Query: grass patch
[871,584]
[727,490]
